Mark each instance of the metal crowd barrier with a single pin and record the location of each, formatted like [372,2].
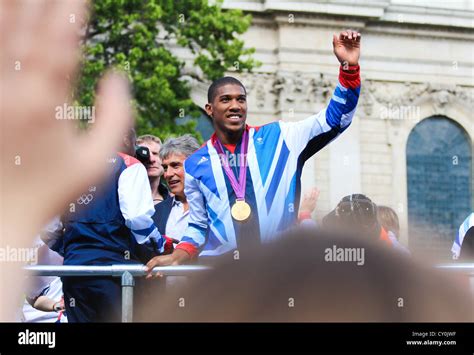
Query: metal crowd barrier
[467,268]
[127,273]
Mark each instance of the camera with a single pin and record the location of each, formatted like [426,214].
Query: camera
[142,154]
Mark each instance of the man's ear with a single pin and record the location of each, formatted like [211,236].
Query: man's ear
[126,145]
[208,108]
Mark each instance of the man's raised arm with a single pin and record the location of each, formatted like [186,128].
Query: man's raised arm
[308,136]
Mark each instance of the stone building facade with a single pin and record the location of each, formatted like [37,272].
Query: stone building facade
[417,66]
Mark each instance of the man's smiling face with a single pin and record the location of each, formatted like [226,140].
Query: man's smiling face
[173,166]
[228,109]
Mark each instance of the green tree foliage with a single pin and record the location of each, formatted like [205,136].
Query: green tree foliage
[135,36]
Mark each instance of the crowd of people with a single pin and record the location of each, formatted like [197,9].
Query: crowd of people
[174,204]
[233,202]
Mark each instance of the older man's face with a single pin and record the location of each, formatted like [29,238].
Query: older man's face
[154,167]
[173,166]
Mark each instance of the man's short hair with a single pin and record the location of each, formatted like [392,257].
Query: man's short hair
[211,93]
[185,145]
[148,138]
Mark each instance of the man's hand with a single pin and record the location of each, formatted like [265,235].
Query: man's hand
[176,258]
[347,48]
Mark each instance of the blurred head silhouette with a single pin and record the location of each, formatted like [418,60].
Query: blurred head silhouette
[293,280]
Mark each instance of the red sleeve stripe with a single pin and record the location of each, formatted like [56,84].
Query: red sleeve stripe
[350,79]
[129,160]
[188,248]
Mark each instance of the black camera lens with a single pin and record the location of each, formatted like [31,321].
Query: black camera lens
[142,154]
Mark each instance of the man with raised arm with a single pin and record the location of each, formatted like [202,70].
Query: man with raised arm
[243,185]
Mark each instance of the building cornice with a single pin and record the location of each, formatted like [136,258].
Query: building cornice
[375,11]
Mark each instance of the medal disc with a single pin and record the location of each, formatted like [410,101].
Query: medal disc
[241,210]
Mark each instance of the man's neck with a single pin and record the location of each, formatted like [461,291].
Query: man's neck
[154,183]
[183,200]
[229,137]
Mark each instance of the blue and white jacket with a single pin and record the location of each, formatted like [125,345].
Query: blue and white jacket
[110,223]
[276,155]
[465,226]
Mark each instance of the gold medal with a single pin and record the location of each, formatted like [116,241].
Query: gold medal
[241,210]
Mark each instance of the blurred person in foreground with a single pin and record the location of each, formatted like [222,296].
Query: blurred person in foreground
[44,161]
[243,185]
[322,280]
[154,167]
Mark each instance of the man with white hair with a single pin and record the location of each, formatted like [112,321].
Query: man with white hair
[171,216]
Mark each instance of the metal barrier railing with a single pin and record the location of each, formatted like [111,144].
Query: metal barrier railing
[467,268]
[127,273]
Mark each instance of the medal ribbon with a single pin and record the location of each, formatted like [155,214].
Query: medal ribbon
[238,185]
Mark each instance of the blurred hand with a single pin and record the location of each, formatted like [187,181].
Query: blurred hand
[45,162]
[346,47]
[308,204]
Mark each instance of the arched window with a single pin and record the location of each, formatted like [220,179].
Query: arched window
[439,169]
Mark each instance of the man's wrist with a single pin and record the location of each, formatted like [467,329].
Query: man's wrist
[304,215]
[349,79]
[350,68]
[180,255]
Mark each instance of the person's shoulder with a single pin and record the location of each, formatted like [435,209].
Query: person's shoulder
[200,155]
[128,159]
[164,205]
[470,219]
[269,125]
[266,130]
